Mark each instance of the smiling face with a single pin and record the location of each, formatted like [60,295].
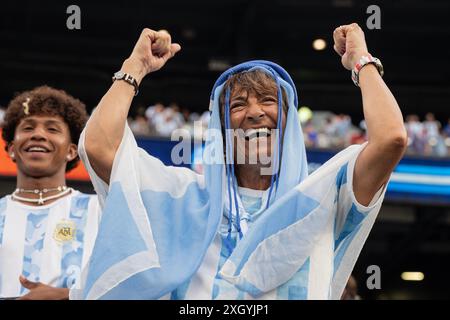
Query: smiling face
[64,116]
[253,116]
[256,117]
[42,146]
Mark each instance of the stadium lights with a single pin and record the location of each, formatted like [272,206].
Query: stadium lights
[319,44]
[218,65]
[412,276]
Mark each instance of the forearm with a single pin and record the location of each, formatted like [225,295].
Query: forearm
[105,129]
[385,128]
[383,117]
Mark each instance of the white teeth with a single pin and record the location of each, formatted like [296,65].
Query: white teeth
[37,149]
[256,133]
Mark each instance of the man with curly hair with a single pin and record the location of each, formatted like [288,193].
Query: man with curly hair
[47,229]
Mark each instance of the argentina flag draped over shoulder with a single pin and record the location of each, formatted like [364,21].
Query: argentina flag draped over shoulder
[158,221]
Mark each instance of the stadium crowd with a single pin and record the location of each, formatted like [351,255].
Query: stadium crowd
[321,129]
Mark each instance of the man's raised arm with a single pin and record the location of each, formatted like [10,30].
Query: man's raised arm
[105,128]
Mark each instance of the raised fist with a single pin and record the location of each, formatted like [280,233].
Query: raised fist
[151,52]
[350,44]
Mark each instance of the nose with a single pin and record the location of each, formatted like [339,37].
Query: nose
[38,134]
[255,113]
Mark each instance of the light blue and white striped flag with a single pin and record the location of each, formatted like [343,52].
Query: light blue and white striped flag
[160,225]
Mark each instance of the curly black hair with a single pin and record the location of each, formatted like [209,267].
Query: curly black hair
[44,100]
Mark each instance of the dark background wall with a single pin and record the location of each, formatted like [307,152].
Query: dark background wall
[37,47]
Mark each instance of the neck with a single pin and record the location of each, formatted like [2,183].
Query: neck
[249,176]
[30,183]
[27,182]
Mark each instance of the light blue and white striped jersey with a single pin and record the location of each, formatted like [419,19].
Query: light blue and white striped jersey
[49,243]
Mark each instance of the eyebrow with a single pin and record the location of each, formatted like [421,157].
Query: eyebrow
[57,122]
[245,98]
[46,122]
[239,98]
[274,96]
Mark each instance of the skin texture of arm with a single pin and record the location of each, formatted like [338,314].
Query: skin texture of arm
[387,137]
[105,128]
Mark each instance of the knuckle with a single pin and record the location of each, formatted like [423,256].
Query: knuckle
[147,33]
[164,33]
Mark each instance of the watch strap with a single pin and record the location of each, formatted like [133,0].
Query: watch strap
[363,61]
[127,78]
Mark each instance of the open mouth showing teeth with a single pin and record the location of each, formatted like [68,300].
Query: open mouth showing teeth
[36,149]
[257,133]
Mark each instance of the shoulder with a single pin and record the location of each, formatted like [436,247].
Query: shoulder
[4,202]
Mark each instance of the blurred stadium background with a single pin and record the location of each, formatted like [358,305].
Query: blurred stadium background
[412,232]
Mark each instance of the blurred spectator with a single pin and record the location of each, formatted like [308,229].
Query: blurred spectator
[359,136]
[2,115]
[446,130]
[186,114]
[416,134]
[432,126]
[439,146]
[139,126]
[310,134]
[154,115]
[204,118]
[178,117]
[170,120]
[351,290]
[321,129]
[342,123]
[194,116]
[324,129]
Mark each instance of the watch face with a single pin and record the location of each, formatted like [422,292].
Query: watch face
[119,75]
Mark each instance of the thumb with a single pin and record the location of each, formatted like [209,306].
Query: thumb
[27,283]
[174,48]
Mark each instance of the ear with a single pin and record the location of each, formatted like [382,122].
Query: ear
[11,152]
[72,153]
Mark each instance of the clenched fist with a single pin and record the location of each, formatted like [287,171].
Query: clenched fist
[151,52]
[350,44]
